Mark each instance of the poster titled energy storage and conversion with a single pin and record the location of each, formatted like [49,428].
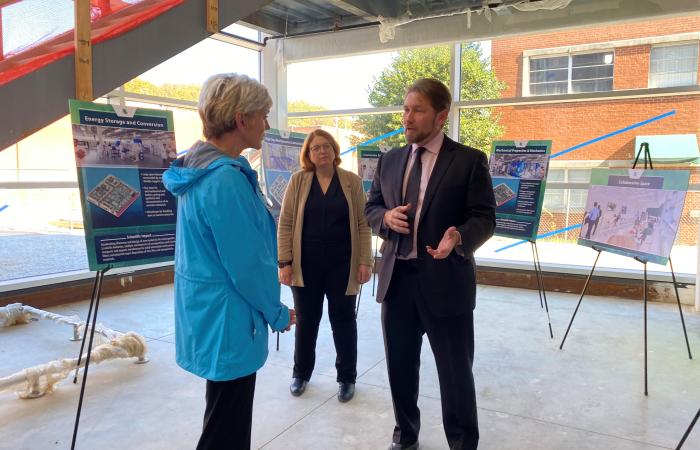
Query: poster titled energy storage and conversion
[634,212]
[280,155]
[121,154]
[519,173]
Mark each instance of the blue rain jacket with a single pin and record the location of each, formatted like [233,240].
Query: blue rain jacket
[226,285]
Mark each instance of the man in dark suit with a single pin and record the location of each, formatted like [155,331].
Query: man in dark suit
[433,204]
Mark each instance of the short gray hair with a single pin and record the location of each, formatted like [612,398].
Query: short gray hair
[225,94]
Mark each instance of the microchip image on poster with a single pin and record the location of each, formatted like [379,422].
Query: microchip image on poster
[280,155]
[121,154]
[367,160]
[519,175]
[634,212]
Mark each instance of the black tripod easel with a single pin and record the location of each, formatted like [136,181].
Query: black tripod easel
[540,283]
[90,323]
[687,432]
[647,162]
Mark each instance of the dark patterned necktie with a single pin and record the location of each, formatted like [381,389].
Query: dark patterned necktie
[411,196]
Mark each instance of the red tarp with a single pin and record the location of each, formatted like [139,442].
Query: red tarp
[110,18]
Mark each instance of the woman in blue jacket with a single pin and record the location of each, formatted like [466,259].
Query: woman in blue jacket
[226,287]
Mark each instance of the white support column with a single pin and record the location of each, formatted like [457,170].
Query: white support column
[455,84]
[273,74]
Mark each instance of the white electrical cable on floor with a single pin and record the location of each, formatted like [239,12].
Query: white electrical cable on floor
[38,380]
[13,314]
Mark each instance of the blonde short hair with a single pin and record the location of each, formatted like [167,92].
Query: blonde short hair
[305,160]
[225,94]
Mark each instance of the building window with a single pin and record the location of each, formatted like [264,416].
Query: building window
[588,72]
[675,65]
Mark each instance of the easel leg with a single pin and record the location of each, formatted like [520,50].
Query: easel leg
[687,432]
[540,284]
[537,272]
[646,387]
[680,310]
[544,292]
[98,279]
[87,355]
[585,287]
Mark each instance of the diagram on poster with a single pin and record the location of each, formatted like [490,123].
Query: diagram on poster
[121,154]
[634,213]
[519,174]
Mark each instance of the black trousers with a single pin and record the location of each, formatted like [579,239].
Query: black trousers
[228,416]
[404,321]
[325,270]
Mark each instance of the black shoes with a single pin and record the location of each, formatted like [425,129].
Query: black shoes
[298,386]
[345,391]
[395,446]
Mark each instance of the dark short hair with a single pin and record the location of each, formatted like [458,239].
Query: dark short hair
[435,91]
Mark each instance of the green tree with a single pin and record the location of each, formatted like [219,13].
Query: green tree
[170,90]
[477,126]
[304,106]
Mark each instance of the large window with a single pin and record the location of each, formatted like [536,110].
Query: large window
[588,72]
[674,65]
[41,229]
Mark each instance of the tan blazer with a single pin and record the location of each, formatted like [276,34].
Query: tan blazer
[292,221]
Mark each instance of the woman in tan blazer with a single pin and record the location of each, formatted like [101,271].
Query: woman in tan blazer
[324,247]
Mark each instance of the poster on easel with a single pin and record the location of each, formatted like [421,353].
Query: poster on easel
[634,212]
[121,153]
[367,160]
[519,173]
[280,159]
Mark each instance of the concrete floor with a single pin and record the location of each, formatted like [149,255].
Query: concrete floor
[531,395]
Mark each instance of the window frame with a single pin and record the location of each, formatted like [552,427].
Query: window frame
[696,43]
[527,86]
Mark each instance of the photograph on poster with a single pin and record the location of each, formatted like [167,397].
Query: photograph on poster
[281,157]
[503,194]
[367,168]
[639,220]
[530,167]
[113,195]
[96,146]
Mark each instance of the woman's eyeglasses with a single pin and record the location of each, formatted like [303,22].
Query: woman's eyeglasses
[317,148]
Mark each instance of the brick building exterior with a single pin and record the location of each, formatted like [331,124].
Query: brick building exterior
[547,64]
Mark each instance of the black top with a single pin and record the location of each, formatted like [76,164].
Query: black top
[326,216]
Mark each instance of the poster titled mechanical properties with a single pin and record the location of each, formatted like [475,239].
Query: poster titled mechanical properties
[121,154]
[634,212]
[280,155]
[367,160]
[519,173]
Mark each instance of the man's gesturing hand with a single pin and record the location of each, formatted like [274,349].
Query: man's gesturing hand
[397,220]
[448,242]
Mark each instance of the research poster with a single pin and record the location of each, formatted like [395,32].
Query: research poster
[121,154]
[634,212]
[367,160]
[280,153]
[519,175]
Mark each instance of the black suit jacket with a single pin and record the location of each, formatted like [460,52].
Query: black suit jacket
[459,193]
